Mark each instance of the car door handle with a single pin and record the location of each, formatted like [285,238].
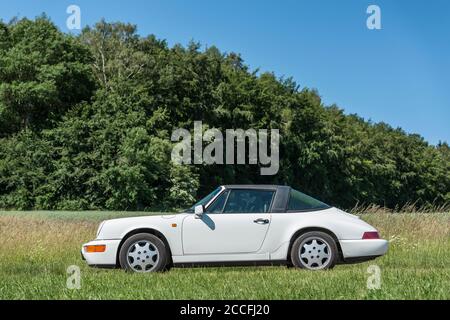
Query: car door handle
[261,221]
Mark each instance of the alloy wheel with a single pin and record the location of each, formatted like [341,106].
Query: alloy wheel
[142,256]
[314,253]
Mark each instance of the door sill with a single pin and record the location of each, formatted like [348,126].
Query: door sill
[230,264]
[202,258]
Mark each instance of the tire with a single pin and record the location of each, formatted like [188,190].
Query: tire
[314,250]
[143,252]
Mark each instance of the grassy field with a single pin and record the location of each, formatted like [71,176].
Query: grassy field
[37,247]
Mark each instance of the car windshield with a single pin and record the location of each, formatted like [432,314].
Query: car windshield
[205,200]
[301,202]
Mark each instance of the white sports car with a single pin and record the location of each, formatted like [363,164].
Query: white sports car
[238,224]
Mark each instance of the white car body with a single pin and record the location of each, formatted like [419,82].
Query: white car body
[237,237]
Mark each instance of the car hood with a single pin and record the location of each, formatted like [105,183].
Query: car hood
[142,218]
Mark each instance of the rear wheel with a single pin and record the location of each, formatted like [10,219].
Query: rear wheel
[143,252]
[314,250]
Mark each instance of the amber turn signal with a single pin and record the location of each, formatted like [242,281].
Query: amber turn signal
[95,248]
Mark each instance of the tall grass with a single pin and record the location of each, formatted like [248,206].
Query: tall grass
[411,207]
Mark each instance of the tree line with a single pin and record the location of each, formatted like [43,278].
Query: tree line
[86,122]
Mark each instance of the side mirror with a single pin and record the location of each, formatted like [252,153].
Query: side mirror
[198,210]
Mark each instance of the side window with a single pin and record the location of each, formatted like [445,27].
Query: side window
[249,201]
[301,202]
[217,205]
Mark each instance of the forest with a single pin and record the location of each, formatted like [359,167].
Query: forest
[86,123]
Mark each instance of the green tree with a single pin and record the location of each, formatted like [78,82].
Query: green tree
[102,107]
[43,73]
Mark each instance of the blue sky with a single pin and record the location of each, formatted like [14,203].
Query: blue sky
[399,74]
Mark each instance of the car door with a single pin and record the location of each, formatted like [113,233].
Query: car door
[236,222]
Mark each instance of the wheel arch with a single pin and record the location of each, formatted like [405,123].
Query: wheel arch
[152,231]
[309,229]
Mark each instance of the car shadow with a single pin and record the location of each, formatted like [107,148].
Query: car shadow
[208,221]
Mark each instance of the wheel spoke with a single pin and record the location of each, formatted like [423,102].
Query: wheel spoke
[135,263]
[133,254]
[152,253]
[146,246]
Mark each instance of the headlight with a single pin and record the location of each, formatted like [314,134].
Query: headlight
[100,228]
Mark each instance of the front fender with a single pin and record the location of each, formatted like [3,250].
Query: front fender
[168,226]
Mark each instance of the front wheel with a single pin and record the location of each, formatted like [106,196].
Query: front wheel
[143,252]
[314,250]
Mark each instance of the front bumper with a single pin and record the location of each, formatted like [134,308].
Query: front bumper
[363,248]
[106,258]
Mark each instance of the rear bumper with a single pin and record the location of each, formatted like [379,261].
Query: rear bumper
[107,258]
[363,248]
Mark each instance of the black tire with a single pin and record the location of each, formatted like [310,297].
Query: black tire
[154,244]
[324,245]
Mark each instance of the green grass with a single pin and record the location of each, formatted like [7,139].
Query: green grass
[37,247]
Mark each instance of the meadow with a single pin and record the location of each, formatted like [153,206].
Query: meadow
[36,248]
